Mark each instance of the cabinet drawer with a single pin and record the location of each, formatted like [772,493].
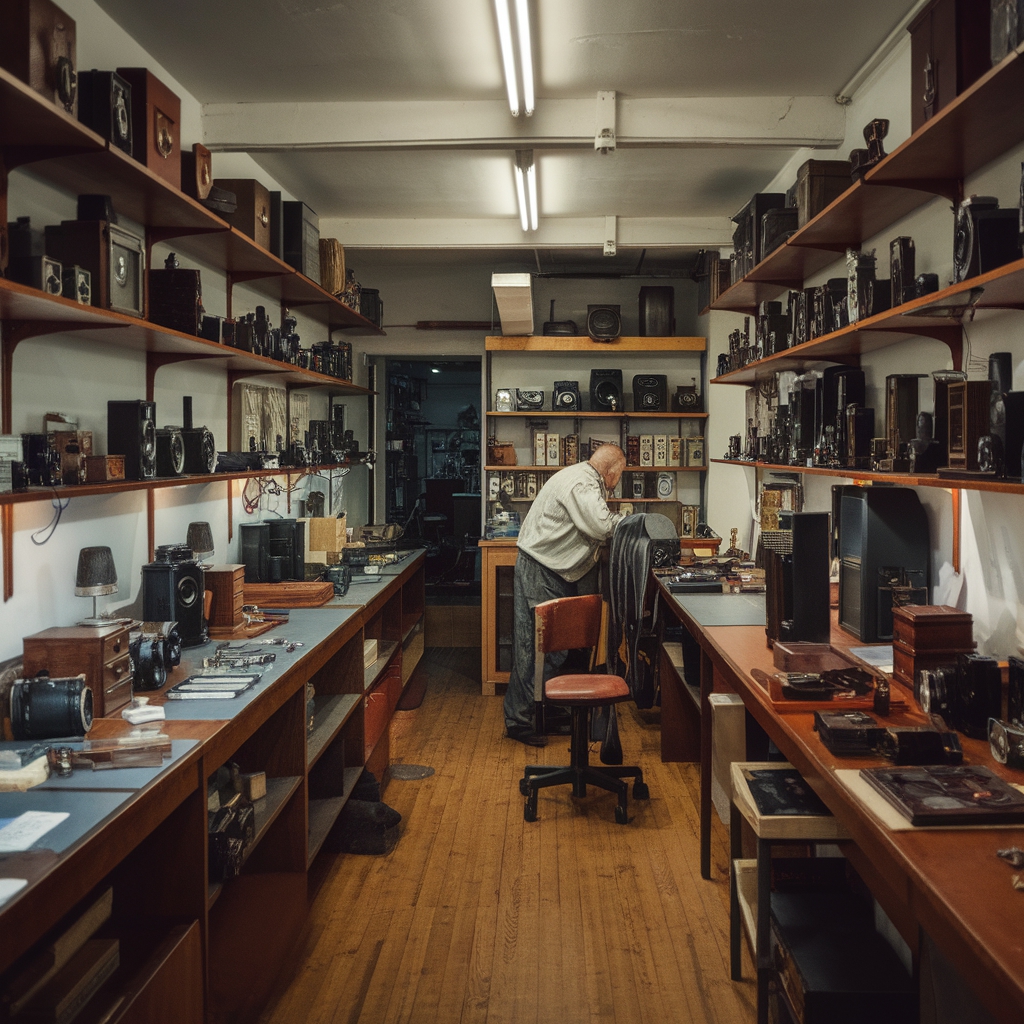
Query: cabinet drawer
[114,645]
[117,687]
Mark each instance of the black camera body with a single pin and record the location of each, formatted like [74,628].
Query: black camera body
[170,452]
[603,322]
[45,708]
[650,392]
[173,590]
[979,694]
[985,237]
[565,396]
[105,106]
[131,432]
[529,400]
[606,391]
[149,669]
[42,461]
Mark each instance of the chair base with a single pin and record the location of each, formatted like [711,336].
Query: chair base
[579,773]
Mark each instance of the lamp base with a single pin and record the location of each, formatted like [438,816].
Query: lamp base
[96,622]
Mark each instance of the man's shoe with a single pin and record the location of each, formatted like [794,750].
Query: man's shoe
[524,734]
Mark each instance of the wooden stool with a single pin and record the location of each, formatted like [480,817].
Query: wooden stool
[750,880]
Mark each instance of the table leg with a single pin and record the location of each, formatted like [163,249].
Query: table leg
[735,925]
[707,676]
[764,910]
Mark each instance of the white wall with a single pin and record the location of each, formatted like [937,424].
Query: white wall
[71,373]
[992,550]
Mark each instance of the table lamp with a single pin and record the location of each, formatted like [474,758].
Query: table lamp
[96,576]
[200,540]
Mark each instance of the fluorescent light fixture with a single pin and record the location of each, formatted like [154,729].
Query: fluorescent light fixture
[507,56]
[525,53]
[524,213]
[531,195]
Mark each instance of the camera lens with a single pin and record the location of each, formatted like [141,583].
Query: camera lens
[1006,742]
[45,708]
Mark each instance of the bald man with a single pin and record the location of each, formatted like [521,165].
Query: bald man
[558,546]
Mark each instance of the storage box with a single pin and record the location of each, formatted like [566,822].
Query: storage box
[37,45]
[554,453]
[925,627]
[104,468]
[906,662]
[332,266]
[818,184]
[226,583]
[156,124]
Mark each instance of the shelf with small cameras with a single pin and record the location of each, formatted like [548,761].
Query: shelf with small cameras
[62,151]
[1003,289]
[580,343]
[539,414]
[627,469]
[981,124]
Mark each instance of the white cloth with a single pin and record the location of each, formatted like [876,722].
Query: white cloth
[568,521]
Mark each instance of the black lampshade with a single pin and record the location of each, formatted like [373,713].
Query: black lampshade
[200,539]
[97,574]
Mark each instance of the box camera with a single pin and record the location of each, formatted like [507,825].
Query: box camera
[650,392]
[114,258]
[300,236]
[197,172]
[606,391]
[170,452]
[131,432]
[985,237]
[38,46]
[603,323]
[252,215]
[173,590]
[198,442]
[176,297]
[687,398]
[40,272]
[76,283]
[529,400]
[42,461]
[156,124]
[105,106]
[565,396]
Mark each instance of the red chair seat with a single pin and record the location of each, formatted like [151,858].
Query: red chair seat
[586,689]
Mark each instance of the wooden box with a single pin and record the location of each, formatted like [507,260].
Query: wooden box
[252,217]
[967,419]
[949,51]
[225,583]
[37,45]
[926,627]
[74,446]
[906,662]
[103,468]
[197,172]
[332,266]
[101,652]
[819,183]
[156,124]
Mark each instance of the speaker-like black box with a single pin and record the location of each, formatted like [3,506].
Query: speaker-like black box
[300,239]
[810,566]
[657,311]
[254,551]
[287,541]
[650,392]
[173,591]
[131,432]
[606,391]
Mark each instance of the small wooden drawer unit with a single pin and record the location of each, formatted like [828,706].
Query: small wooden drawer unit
[225,582]
[100,652]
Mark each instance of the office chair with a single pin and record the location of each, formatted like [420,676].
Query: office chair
[569,623]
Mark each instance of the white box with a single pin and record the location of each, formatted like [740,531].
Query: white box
[540,448]
[661,449]
[646,449]
[728,744]
[676,451]
[554,458]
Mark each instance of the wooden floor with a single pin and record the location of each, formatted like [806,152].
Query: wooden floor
[479,916]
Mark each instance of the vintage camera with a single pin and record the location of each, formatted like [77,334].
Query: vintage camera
[105,106]
[40,272]
[42,461]
[172,590]
[650,392]
[149,670]
[529,400]
[45,708]
[197,172]
[935,690]
[606,391]
[131,432]
[156,124]
[565,396]
[1006,743]
[907,746]
[115,259]
[603,323]
[979,694]
[170,638]
[687,398]
[38,46]
[985,237]
[199,444]
[76,283]
[902,258]
[300,236]
[176,297]
[170,452]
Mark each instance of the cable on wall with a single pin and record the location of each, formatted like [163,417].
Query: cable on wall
[51,528]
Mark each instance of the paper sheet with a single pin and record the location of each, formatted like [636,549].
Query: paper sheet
[878,657]
[9,887]
[27,828]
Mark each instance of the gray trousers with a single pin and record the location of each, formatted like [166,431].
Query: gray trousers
[533,584]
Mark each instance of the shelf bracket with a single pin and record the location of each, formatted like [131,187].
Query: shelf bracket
[156,360]
[949,188]
[18,156]
[240,277]
[957,498]
[7,531]
[952,336]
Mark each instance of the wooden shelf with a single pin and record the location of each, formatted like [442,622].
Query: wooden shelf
[904,479]
[386,650]
[605,415]
[34,128]
[266,809]
[324,813]
[978,126]
[121,486]
[674,653]
[628,469]
[581,343]
[331,713]
[1003,289]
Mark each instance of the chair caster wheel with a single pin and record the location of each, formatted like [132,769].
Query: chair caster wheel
[620,815]
[528,814]
[640,791]
[524,787]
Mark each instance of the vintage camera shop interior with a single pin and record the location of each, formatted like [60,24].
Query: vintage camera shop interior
[510,512]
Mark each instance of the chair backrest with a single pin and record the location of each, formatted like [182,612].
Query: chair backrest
[568,623]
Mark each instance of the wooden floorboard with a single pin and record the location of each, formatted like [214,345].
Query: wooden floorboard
[478,917]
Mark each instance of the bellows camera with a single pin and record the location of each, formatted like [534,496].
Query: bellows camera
[565,397]
[45,708]
[172,589]
[131,432]
[603,323]
[650,392]
[606,391]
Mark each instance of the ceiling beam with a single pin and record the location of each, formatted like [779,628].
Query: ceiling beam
[504,233]
[786,121]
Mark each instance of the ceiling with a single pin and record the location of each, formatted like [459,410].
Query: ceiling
[317,86]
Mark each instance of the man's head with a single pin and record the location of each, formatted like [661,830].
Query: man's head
[609,460]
